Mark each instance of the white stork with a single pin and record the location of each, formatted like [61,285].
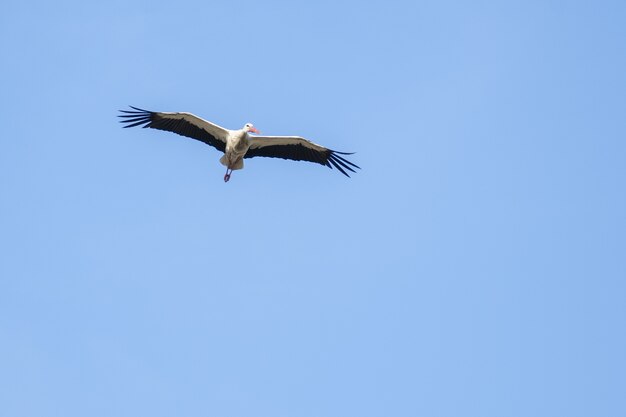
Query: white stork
[238,144]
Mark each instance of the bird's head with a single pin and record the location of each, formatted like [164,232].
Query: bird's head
[249,127]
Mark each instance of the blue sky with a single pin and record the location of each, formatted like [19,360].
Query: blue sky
[475,266]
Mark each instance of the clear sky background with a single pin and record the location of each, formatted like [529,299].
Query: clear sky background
[475,266]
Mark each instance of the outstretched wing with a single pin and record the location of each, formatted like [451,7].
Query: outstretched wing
[185,124]
[299,149]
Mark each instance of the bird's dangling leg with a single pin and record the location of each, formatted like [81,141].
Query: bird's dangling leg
[227,175]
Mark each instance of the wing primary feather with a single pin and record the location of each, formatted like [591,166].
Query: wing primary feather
[138,109]
[131,116]
[345,160]
[332,161]
[135,124]
[340,162]
[136,119]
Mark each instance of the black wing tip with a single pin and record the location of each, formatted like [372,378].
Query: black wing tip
[342,164]
[335,155]
[135,110]
[136,117]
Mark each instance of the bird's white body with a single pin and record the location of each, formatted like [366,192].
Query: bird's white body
[237,144]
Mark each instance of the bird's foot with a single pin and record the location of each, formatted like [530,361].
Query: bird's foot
[226,177]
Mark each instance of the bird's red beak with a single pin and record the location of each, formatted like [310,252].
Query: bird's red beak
[255,130]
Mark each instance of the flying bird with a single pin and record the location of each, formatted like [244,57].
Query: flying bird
[238,144]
